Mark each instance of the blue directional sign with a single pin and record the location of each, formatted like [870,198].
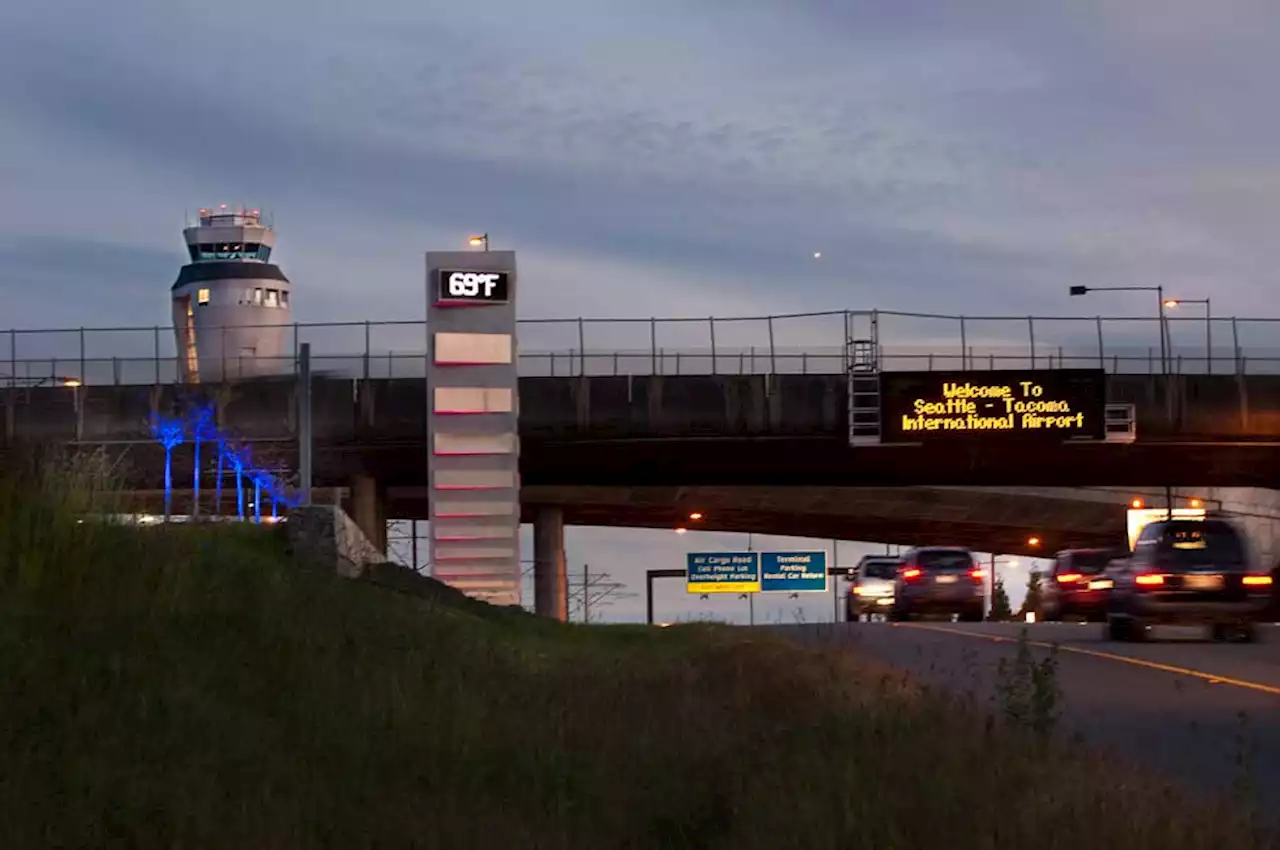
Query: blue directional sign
[793,572]
[722,572]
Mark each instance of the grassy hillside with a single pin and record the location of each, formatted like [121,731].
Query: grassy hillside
[178,687]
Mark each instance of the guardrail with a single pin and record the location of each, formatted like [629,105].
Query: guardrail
[801,343]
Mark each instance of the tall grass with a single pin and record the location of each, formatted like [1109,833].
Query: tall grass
[190,687]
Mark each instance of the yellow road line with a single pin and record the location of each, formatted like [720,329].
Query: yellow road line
[1110,656]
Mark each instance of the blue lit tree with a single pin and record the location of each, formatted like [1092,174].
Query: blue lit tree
[261,480]
[198,424]
[222,460]
[170,433]
[240,462]
[200,421]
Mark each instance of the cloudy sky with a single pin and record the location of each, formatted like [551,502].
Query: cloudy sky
[684,159]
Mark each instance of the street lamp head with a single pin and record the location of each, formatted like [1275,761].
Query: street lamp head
[1033,541]
[1079,290]
[1171,303]
[480,240]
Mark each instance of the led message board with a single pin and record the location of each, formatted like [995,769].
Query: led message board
[1049,404]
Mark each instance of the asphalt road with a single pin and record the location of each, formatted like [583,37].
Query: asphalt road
[1187,707]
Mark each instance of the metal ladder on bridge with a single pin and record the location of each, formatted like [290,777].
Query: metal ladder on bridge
[862,369]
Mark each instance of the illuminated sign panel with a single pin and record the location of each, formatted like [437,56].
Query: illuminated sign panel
[793,572]
[1051,404]
[722,572]
[455,286]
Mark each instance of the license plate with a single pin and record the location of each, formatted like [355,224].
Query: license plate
[1100,584]
[945,579]
[1203,582]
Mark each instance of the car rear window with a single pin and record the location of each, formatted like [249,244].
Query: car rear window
[1200,542]
[880,569]
[1088,562]
[942,560]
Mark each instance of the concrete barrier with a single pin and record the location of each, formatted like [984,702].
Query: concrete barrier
[326,536]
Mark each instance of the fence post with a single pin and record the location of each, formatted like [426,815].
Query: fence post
[366,349]
[653,345]
[773,357]
[1031,329]
[1102,357]
[13,358]
[83,378]
[157,353]
[1235,343]
[297,352]
[305,435]
[964,346]
[711,324]
[582,347]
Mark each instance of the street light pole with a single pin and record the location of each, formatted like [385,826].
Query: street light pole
[1159,291]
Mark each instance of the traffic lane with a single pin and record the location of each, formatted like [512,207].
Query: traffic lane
[1186,647]
[1209,736]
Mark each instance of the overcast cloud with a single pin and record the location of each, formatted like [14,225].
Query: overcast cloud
[657,157]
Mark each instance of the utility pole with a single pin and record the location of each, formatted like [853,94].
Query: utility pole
[596,590]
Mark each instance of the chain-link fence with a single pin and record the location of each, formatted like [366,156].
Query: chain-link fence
[812,343]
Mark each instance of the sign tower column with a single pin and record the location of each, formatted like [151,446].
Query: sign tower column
[473,437]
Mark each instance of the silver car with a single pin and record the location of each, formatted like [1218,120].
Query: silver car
[871,588]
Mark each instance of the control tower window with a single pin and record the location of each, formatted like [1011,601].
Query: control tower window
[271,297]
[257,296]
[202,296]
[284,299]
[194,251]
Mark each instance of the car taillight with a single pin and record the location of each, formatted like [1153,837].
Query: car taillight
[1149,580]
[1069,578]
[911,573]
[1257,581]
[978,573]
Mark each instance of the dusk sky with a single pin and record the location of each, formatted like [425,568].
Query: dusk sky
[656,158]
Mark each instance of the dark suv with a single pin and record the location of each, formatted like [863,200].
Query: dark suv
[939,580]
[1077,586]
[1187,572]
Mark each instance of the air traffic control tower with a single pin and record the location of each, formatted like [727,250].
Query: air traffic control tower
[230,303]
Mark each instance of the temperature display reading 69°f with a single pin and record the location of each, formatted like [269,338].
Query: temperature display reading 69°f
[473,287]
[999,405]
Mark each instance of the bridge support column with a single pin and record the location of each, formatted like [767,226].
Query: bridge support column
[550,577]
[368,509]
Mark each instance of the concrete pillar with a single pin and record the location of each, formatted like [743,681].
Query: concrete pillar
[367,511]
[550,578]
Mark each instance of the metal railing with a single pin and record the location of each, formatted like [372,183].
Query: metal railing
[801,343]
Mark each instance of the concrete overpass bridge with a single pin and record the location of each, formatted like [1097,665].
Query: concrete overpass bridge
[755,437]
